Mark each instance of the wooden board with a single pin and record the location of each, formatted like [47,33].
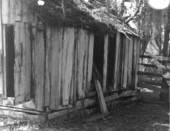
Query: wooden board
[48,67]
[39,67]
[82,38]
[12,11]
[126,63]
[100,95]
[27,65]
[68,46]
[117,60]
[105,65]
[5,11]
[18,61]
[18,6]
[130,63]
[90,60]
[55,48]
[1,51]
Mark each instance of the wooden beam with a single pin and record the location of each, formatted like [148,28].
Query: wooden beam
[105,65]
[100,95]
[89,102]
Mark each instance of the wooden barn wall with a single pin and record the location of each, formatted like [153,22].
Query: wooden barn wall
[69,58]
[15,14]
[126,61]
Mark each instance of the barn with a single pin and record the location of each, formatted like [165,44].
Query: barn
[50,53]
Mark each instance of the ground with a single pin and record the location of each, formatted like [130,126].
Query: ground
[130,116]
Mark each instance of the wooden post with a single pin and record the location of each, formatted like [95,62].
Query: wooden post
[105,65]
[100,95]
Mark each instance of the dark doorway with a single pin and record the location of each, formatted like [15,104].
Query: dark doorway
[111,60]
[99,53]
[10,56]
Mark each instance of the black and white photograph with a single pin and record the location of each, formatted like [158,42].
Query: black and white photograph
[84,65]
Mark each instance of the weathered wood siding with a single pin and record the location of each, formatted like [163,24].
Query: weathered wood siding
[126,62]
[15,13]
[69,55]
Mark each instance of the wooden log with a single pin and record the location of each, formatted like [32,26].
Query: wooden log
[5,11]
[97,117]
[100,95]
[105,65]
[39,70]
[68,58]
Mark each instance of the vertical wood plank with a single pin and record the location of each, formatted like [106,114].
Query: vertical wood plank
[137,60]
[12,12]
[130,63]
[123,59]
[39,70]
[116,72]
[90,59]
[80,42]
[18,14]
[27,63]
[17,66]
[126,64]
[134,69]
[5,11]
[68,58]
[105,65]
[48,66]
[4,60]
[55,64]
[1,51]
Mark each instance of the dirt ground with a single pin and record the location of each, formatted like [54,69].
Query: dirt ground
[133,116]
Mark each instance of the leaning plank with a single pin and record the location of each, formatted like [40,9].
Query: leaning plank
[39,70]
[105,65]
[100,95]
